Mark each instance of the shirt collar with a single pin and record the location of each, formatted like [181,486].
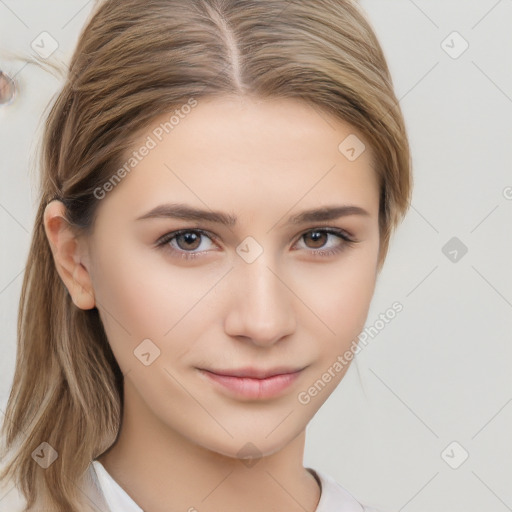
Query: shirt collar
[333,498]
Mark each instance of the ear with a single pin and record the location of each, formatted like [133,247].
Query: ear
[69,255]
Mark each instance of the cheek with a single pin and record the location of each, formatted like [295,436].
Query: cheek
[141,297]
[340,295]
[342,300]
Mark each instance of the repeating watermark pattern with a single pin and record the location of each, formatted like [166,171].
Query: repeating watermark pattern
[454,455]
[147,352]
[352,147]
[454,249]
[454,45]
[249,454]
[343,360]
[45,455]
[150,143]
[45,45]
[249,249]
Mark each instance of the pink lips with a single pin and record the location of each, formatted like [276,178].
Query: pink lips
[252,383]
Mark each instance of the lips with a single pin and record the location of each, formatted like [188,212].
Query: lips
[253,383]
[255,373]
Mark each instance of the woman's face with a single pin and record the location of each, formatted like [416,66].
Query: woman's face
[271,273]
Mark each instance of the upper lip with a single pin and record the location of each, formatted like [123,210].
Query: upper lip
[255,373]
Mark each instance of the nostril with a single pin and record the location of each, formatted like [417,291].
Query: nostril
[7,89]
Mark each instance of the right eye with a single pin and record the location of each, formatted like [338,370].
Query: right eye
[185,242]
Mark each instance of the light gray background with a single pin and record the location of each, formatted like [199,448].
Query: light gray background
[440,371]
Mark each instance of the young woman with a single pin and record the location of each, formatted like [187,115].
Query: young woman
[220,181]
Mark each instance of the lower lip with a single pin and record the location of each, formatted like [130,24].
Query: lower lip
[258,389]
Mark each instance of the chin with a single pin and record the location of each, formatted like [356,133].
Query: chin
[247,445]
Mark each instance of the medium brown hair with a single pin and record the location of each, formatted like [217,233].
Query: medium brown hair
[135,60]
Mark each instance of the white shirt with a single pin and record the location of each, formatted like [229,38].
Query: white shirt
[333,498]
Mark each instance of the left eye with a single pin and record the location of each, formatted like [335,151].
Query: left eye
[319,238]
[189,243]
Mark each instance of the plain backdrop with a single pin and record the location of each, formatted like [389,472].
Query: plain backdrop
[425,425]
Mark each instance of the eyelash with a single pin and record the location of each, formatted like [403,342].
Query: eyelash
[163,242]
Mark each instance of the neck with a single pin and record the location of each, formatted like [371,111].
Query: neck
[164,470]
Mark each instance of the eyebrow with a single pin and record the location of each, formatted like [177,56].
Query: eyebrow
[185,212]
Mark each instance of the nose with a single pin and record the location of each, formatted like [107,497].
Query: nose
[260,308]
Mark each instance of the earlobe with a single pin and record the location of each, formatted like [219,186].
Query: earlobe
[67,255]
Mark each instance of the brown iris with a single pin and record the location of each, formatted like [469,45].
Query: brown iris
[191,239]
[318,238]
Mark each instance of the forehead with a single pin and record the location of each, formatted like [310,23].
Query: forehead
[251,153]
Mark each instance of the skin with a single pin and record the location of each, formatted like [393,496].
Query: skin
[261,161]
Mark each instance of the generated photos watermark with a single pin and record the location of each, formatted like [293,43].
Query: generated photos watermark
[151,142]
[343,360]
